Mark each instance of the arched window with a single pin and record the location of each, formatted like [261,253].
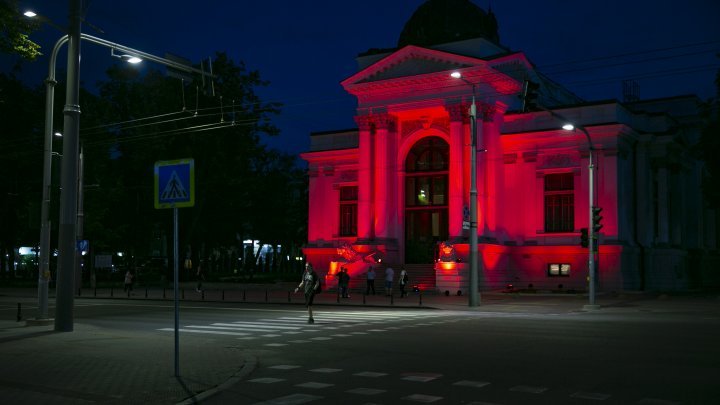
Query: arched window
[426,169]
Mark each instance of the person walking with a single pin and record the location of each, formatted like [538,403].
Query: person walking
[389,275]
[370,281]
[402,282]
[128,281]
[200,277]
[344,282]
[310,284]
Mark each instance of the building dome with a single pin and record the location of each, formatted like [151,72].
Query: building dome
[441,21]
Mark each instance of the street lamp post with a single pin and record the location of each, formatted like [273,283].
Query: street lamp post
[591,205]
[473,296]
[67,237]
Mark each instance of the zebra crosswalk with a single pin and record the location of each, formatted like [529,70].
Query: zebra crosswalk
[292,326]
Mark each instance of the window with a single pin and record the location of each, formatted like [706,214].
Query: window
[559,202]
[558,270]
[348,210]
[426,171]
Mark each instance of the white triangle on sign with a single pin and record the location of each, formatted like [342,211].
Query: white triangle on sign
[174,189]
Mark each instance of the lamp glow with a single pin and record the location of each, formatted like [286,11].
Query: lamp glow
[455,75]
[568,127]
[30,14]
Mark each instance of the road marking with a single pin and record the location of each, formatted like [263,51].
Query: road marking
[326,370]
[365,391]
[300,341]
[321,338]
[314,385]
[421,377]
[227,328]
[275,344]
[214,332]
[294,399]
[590,395]
[476,384]
[285,367]
[371,374]
[266,380]
[259,325]
[341,335]
[529,389]
[422,398]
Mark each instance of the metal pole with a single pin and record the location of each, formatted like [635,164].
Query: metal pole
[45,223]
[473,296]
[591,231]
[68,205]
[45,226]
[80,219]
[175,275]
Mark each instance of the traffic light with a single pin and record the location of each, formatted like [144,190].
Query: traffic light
[530,96]
[596,218]
[584,239]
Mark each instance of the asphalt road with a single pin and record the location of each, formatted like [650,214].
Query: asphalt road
[387,356]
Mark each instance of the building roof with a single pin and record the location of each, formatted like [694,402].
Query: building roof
[441,21]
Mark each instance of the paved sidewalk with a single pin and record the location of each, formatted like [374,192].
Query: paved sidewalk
[98,365]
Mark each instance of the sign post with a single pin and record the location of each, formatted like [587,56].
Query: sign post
[175,188]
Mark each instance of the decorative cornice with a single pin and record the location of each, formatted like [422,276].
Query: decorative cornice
[385,121]
[487,112]
[363,122]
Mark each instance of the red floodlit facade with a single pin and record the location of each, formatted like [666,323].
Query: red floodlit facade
[395,191]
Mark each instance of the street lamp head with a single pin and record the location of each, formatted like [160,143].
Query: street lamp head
[568,127]
[127,58]
[58,134]
[30,14]
[456,75]
[131,59]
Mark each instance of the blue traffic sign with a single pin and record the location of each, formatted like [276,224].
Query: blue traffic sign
[175,183]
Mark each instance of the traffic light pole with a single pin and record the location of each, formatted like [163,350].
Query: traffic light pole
[591,240]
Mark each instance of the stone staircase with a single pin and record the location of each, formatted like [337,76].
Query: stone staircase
[422,275]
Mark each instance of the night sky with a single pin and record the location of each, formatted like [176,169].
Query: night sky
[306,48]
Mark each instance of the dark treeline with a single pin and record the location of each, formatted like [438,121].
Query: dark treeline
[131,120]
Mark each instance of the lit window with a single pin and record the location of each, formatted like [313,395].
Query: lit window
[559,202]
[348,211]
[559,270]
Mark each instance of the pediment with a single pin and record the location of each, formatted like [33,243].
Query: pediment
[411,61]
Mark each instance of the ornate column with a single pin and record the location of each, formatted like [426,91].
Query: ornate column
[489,162]
[365,175]
[383,201]
[456,197]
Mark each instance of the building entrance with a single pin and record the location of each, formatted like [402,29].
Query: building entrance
[426,210]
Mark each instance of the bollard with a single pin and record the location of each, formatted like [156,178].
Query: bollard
[364,295]
[420,295]
[266,295]
[145,292]
[202,295]
[223,295]
[243,295]
[288,296]
[163,292]
[95,293]
[19,314]
[111,291]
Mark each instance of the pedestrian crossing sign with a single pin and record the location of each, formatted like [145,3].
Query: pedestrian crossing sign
[175,183]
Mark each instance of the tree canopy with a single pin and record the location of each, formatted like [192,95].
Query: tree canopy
[14,32]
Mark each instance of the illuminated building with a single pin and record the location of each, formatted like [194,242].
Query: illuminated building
[397,187]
